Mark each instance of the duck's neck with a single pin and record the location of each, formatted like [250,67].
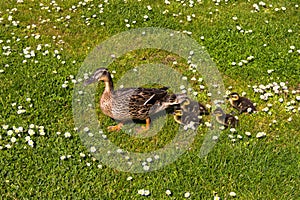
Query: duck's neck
[109,86]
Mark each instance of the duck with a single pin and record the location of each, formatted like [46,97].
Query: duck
[242,104]
[225,119]
[184,118]
[189,111]
[128,104]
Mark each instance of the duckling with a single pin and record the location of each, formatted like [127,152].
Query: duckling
[132,103]
[225,119]
[191,106]
[189,111]
[177,115]
[241,103]
[184,118]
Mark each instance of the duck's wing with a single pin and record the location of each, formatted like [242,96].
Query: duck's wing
[124,94]
[148,96]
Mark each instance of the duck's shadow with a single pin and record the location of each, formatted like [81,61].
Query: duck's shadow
[134,127]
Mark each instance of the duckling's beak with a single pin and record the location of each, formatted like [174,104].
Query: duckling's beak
[89,81]
[177,113]
[227,98]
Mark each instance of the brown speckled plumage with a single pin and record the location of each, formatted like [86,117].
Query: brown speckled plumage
[132,103]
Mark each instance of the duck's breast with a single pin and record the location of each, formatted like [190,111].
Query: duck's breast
[106,105]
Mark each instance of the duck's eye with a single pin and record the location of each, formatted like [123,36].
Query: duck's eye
[104,73]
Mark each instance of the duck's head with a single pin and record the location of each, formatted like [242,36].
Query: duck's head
[218,112]
[234,96]
[101,74]
[186,103]
[177,112]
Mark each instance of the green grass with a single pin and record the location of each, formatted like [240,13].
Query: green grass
[253,168]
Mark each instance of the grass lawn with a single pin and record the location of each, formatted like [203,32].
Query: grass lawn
[255,46]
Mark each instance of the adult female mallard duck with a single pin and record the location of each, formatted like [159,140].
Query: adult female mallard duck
[225,119]
[241,103]
[132,103]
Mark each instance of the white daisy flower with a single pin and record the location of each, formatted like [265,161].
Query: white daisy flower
[31,126]
[232,130]
[30,143]
[21,111]
[215,137]
[31,132]
[260,134]
[13,139]
[146,167]
[82,155]
[141,191]
[232,194]
[247,133]
[187,195]
[93,149]
[149,7]
[67,134]
[266,109]
[146,192]
[5,127]
[27,138]
[9,132]
[168,192]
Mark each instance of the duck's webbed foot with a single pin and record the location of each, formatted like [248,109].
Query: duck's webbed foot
[118,127]
[144,128]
